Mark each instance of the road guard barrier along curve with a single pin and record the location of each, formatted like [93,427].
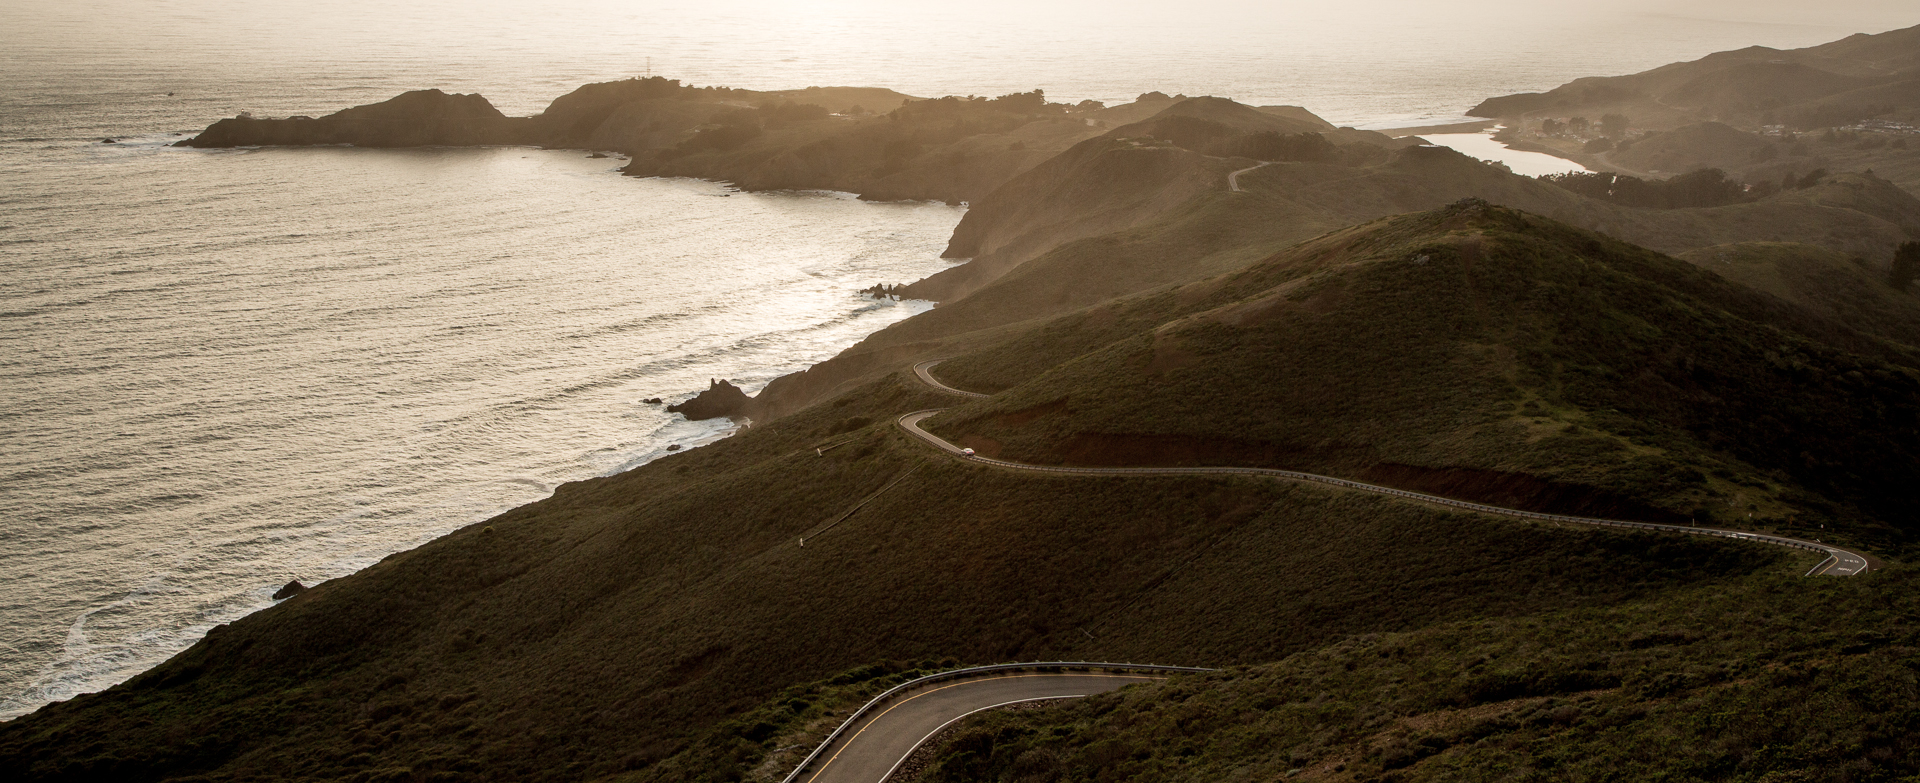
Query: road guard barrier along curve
[975,671]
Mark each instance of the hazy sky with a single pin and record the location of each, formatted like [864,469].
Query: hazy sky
[1359,61]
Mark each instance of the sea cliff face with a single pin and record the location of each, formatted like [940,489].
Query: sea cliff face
[878,143]
[415,119]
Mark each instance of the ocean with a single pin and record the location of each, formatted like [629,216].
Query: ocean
[222,370]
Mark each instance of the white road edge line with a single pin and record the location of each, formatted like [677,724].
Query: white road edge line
[1822,565]
[943,727]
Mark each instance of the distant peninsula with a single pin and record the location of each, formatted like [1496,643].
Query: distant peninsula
[1764,116]
[880,144]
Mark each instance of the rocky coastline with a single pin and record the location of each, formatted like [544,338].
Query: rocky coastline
[1174,283]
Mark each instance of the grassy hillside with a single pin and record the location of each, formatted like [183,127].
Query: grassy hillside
[1181,225]
[952,149]
[663,623]
[1838,83]
[1484,353]
[1845,106]
[1708,145]
[612,627]
[1844,289]
[1767,679]
[666,623]
[1762,161]
[1127,176]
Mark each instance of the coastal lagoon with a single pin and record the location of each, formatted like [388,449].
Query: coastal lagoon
[227,369]
[1482,146]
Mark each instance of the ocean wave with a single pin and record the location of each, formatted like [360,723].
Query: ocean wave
[271,401]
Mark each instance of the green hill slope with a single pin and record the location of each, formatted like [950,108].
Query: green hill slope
[610,628]
[1767,680]
[1483,353]
[1125,177]
[663,624]
[1838,287]
[1817,86]
[1179,224]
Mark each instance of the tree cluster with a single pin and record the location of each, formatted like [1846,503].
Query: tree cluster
[1023,104]
[1611,126]
[1273,145]
[1703,188]
[1791,181]
[1212,138]
[1906,265]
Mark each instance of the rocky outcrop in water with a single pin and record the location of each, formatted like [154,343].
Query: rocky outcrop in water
[720,399]
[291,589]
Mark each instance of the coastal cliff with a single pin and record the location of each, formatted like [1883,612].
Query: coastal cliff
[720,400]
[1179,283]
[414,119]
[880,144]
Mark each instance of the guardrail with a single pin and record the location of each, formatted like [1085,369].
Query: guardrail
[956,674]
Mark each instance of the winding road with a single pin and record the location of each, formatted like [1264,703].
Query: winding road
[870,746]
[1233,186]
[1839,562]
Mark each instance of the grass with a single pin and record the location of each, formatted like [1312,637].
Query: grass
[1106,220]
[1498,357]
[960,152]
[664,624]
[1768,678]
[639,626]
[1844,289]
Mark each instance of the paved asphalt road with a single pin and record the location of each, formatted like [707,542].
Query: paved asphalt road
[1839,562]
[1233,180]
[870,751]
[925,371]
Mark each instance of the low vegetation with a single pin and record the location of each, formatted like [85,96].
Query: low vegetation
[1838,83]
[1483,353]
[654,625]
[668,623]
[1840,288]
[1703,188]
[1768,678]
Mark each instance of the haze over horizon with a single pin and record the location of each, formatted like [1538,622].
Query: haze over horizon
[1352,63]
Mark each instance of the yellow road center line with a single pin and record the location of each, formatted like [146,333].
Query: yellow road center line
[931,691]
